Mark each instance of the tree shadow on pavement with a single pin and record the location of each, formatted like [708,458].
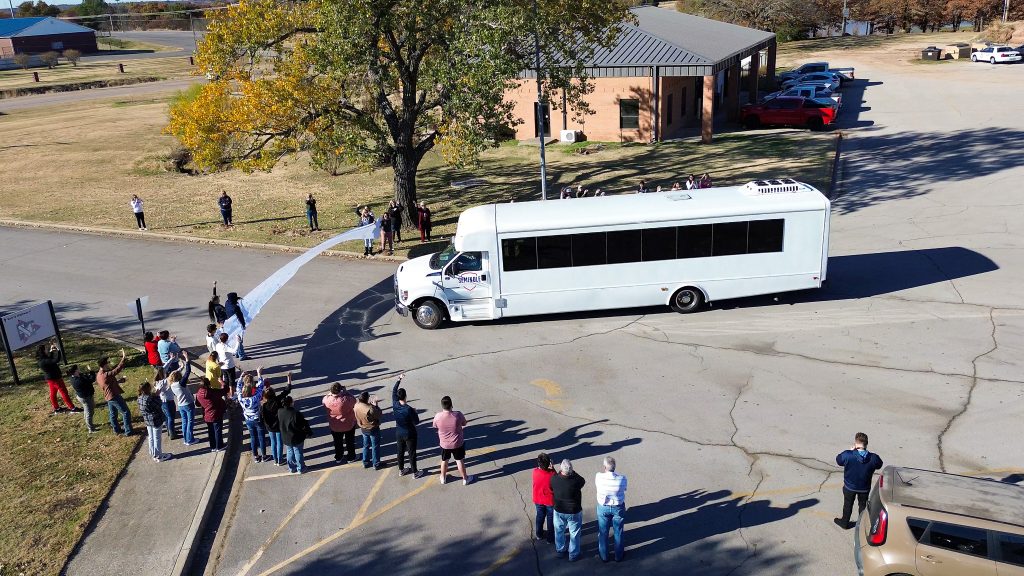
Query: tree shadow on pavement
[886,167]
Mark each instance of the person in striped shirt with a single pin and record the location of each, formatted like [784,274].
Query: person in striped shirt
[611,508]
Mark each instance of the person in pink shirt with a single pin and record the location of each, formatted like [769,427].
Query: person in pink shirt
[450,425]
[341,418]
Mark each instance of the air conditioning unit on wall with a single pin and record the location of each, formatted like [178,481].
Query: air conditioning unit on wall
[570,136]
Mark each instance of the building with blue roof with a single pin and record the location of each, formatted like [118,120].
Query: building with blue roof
[43,34]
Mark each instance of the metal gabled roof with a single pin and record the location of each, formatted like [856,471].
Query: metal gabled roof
[38,26]
[11,26]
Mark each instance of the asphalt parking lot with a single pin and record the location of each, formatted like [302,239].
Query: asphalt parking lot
[726,422]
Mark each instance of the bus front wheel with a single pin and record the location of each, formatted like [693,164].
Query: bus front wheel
[428,315]
[687,300]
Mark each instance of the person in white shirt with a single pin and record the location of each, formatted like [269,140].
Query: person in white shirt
[140,216]
[226,354]
[213,333]
[611,508]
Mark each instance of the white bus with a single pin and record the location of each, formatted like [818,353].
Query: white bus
[679,248]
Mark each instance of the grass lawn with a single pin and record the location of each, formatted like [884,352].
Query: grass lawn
[88,71]
[55,474]
[900,47]
[103,152]
[106,43]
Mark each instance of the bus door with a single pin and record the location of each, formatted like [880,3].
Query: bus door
[467,287]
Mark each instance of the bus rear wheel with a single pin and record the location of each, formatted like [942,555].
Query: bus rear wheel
[428,315]
[687,300]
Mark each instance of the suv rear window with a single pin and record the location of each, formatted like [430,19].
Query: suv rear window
[973,541]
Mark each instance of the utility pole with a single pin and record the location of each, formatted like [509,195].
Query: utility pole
[540,104]
[846,14]
[11,2]
[1006,9]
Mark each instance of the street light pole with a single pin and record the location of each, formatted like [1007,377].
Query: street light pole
[539,108]
[1006,9]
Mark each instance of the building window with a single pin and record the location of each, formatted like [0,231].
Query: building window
[629,114]
[668,109]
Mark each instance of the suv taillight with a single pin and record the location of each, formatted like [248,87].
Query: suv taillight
[879,528]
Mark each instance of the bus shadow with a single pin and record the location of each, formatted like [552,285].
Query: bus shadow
[858,276]
[850,277]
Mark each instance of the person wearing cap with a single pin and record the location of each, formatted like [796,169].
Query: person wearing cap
[567,487]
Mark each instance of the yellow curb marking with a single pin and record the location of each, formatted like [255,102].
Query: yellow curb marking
[295,510]
[502,561]
[427,484]
[283,474]
[553,392]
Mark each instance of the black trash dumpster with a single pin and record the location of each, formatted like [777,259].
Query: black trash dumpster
[930,53]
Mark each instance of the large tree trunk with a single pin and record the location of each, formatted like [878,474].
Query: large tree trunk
[405,163]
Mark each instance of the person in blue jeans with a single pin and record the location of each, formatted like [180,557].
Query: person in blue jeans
[272,403]
[249,400]
[567,487]
[294,431]
[611,508]
[368,418]
[184,399]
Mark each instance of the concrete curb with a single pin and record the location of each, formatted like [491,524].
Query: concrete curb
[190,239]
[187,553]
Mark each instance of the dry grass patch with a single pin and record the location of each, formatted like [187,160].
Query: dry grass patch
[55,474]
[80,164]
[894,47]
[90,71]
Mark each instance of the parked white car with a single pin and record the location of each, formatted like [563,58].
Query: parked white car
[828,79]
[996,54]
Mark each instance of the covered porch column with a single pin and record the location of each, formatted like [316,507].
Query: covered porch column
[770,72]
[707,119]
[732,93]
[755,65]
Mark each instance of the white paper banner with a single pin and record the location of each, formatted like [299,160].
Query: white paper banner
[254,301]
[28,326]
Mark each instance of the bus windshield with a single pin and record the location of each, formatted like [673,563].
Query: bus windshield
[442,258]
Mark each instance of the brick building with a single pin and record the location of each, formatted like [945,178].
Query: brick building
[43,34]
[666,73]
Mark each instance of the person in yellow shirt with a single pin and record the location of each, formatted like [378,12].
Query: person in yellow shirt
[213,370]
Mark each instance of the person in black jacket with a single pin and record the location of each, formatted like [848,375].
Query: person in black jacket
[406,420]
[49,363]
[567,487]
[294,431]
[859,466]
[272,402]
[395,209]
[233,307]
[216,310]
[82,384]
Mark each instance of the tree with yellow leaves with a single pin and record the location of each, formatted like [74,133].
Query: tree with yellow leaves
[379,82]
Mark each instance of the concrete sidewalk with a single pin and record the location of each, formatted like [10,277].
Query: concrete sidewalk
[153,517]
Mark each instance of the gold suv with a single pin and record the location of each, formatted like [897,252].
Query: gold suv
[926,523]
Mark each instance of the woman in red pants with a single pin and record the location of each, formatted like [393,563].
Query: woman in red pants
[49,364]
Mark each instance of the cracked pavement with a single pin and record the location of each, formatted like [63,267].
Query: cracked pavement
[726,422]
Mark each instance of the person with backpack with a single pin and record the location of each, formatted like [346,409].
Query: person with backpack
[153,415]
[294,431]
[49,363]
[272,403]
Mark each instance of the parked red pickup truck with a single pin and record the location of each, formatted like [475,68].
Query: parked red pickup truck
[788,111]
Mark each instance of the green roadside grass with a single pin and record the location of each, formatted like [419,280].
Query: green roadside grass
[56,474]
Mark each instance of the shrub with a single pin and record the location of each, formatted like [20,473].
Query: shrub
[998,32]
[72,56]
[22,60]
[49,58]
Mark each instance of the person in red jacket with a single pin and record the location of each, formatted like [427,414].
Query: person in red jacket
[543,498]
[152,354]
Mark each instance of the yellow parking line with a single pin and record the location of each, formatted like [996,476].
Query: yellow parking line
[348,529]
[502,561]
[369,497]
[295,510]
[282,475]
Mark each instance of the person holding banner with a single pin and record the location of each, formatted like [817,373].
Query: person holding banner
[233,307]
[49,363]
[110,384]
